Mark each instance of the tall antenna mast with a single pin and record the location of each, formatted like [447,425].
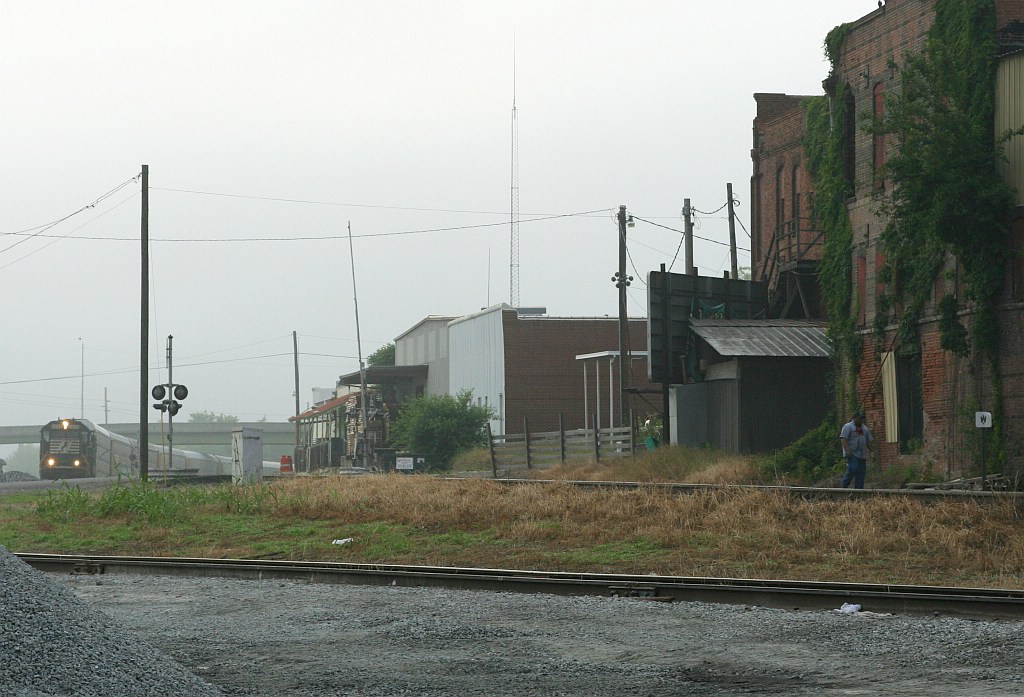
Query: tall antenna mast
[513,277]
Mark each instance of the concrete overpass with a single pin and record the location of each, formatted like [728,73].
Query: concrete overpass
[278,438]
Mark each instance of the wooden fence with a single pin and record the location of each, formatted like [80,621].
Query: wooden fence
[541,450]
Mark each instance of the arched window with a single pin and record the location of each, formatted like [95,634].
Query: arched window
[794,190]
[878,161]
[849,141]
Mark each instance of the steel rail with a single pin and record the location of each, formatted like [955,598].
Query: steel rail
[786,594]
[1015,498]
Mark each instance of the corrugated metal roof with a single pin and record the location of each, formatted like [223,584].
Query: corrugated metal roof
[769,337]
[385,374]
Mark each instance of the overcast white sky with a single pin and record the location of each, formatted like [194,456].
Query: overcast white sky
[290,120]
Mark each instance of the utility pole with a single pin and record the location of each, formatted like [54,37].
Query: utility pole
[732,233]
[687,216]
[170,413]
[361,438]
[666,378]
[106,406]
[81,402]
[144,336]
[622,283]
[295,349]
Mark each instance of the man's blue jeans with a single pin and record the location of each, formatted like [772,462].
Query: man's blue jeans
[856,468]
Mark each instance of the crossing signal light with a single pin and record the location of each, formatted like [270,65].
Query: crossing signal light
[169,404]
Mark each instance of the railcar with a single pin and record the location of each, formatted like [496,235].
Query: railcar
[76,448]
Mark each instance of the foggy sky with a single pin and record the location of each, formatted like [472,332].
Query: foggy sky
[292,120]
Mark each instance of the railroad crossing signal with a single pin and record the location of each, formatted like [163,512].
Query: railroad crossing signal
[169,397]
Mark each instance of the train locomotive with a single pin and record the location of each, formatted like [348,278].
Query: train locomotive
[77,448]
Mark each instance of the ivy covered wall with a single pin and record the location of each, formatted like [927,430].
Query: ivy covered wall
[917,222]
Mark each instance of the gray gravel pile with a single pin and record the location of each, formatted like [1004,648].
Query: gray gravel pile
[52,643]
[272,638]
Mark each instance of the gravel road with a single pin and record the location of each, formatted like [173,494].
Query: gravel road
[287,638]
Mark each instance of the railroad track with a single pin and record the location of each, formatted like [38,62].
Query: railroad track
[806,595]
[806,492]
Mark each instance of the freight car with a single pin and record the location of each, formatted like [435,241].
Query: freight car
[75,448]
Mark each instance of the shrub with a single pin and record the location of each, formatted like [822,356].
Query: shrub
[814,457]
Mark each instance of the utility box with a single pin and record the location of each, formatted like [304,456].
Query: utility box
[246,455]
[410,463]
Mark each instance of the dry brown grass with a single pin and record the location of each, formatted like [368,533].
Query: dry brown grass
[667,464]
[732,532]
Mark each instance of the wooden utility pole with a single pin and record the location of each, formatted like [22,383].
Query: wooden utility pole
[295,349]
[666,378]
[732,233]
[622,281]
[361,437]
[687,216]
[144,336]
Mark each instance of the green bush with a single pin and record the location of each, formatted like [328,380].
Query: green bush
[440,427]
[816,456]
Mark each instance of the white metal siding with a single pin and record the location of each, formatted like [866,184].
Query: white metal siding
[1009,116]
[476,348]
[427,344]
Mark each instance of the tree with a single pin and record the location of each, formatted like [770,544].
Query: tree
[25,458]
[385,355]
[209,417]
[440,427]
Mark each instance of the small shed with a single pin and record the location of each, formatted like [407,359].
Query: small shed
[756,385]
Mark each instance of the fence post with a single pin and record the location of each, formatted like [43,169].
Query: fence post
[597,441]
[632,431]
[526,440]
[490,446]
[561,438]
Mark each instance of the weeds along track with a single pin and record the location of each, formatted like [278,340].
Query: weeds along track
[879,598]
[803,492]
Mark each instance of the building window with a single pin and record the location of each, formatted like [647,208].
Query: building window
[862,273]
[1017,240]
[849,141]
[910,407]
[879,138]
[902,399]
[780,202]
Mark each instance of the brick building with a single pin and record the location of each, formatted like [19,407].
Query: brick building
[786,244]
[526,366]
[920,398]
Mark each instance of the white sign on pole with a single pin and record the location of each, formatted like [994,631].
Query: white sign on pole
[983,419]
[403,463]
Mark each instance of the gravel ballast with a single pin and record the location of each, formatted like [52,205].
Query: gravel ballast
[53,643]
[291,638]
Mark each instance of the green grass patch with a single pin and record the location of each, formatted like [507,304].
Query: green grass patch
[615,553]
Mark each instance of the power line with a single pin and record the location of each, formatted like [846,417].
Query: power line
[43,228]
[696,237]
[121,371]
[54,239]
[307,238]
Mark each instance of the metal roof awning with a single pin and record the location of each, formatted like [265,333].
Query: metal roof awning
[386,374]
[763,338]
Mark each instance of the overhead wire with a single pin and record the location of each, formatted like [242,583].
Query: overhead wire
[306,238]
[696,237]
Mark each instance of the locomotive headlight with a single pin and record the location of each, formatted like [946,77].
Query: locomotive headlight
[65,424]
[51,462]
[77,463]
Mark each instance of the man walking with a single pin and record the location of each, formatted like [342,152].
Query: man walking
[856,439]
